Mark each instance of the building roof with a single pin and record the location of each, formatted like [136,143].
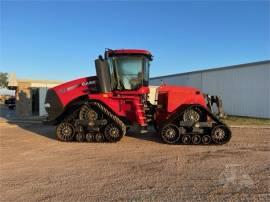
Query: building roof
[40,81]
[13,82]
[216,69]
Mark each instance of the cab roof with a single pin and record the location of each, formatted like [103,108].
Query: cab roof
[129,52]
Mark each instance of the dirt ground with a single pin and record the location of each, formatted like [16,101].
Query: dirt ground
[37,167]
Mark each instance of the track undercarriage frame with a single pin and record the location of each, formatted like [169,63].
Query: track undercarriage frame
[193,124]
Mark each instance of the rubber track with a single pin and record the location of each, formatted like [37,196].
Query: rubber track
[113,117]
[73,116]
[180,112]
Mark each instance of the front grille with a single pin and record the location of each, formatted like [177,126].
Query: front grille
[56,107]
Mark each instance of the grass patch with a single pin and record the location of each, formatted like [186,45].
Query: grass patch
[239,120]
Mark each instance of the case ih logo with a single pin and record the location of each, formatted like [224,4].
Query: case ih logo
[87,83]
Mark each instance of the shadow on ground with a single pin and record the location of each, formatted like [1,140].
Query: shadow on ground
[35,126]
[32,124]
[152,135]
[39,129]
[49,132]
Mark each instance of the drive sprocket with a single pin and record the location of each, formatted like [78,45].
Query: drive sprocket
[191,115]
[87,113]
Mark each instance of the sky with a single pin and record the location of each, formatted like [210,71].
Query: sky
[60,40]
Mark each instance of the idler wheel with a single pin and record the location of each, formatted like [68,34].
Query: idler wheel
[90,137]
[65,131]
[221,134]
[99,137]
[186,139]
[196,139]
[170,134]
[206,139]
[112,133]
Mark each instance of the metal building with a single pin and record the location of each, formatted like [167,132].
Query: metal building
[244,88]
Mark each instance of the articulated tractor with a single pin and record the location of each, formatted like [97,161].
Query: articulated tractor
[103,107]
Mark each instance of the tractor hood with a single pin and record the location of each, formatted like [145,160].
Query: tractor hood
[60,96]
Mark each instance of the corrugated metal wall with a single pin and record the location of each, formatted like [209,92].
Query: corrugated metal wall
[245,90]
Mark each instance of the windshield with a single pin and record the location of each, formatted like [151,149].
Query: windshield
[130,72]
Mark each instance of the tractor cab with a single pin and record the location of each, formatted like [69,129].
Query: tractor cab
[123,70]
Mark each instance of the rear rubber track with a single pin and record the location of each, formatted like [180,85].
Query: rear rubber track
[172,132]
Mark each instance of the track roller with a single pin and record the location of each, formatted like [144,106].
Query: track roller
[99,137]
[170,134]
[206,139]
[65,131]
[80,137]
[221,134]
[90,137]
[186,139]
[196,139]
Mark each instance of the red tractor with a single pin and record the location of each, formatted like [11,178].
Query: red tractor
[103,107]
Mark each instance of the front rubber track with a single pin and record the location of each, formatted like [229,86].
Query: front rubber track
[70,130]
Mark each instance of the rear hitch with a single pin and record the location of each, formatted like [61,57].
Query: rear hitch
[215,102]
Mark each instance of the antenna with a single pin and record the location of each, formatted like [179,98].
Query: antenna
[162,83]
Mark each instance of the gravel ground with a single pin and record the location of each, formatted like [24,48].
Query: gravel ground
[36,167]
